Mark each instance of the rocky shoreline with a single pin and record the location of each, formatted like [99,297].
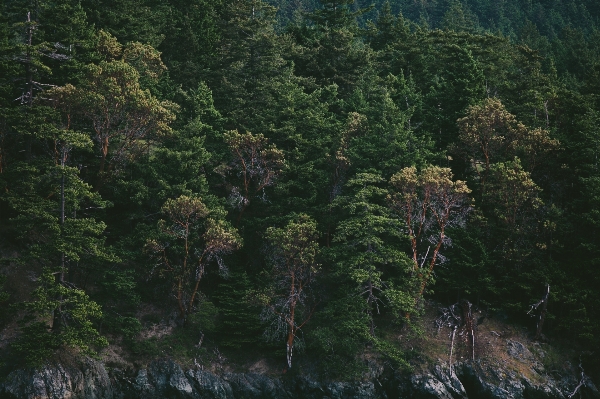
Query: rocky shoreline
[164,378]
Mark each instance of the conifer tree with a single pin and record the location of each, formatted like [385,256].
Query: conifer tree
[369,255]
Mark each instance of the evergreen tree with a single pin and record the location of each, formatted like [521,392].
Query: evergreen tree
[368,239]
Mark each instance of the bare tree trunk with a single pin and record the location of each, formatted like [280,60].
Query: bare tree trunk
[199,274]
[60,276]
[101,170]
[468,320]
[452,348]
[289,348]
[540,324]
[28,97]
[370,302]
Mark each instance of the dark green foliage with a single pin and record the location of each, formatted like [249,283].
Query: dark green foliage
[35,345]
[115,113]
[4,298]
[238,323]
[76,311]
[339,342]
[185,342]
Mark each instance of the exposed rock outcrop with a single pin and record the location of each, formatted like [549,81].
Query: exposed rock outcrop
[484,380]
[89,380]
[480,379]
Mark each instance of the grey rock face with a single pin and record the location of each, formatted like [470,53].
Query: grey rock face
[168,379]
[483,380]
[306,388]
[447,375]
[59,382]
[256,386]
[518,351]
[165,379]
[209,386]
[440,383]
[344,390]
[428,387]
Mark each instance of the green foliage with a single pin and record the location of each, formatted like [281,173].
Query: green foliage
[238,323]
[370,239]
[185,243]
[124,126]
[4,298]
[35,345]
[126,326]
[184,344]
[64,304]
[341,342]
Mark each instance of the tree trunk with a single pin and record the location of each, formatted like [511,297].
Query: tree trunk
[370,302]
[60,276]
[102,167]
[540,324]
[290,345]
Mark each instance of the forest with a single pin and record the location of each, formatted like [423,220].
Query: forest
[299,176]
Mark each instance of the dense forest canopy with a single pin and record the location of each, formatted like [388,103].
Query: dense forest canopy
[301,175]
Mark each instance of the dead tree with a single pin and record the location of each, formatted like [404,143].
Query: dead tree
[543,303]
[582,382]
[459,318]
[468,320]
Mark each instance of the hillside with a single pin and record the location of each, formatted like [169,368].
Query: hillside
[507,363]
[226,175]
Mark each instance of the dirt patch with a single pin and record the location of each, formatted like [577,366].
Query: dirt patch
[8,334]
[112,355]
[493,341]
[156,331]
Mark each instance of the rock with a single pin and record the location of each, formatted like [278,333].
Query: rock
[309,388]
[256,386]
[541,391]
[163,377]
[428,387]
[141,384]
[475,381]
[345,390]
[166,379]
[169,380]
[518,351]
[450,380]
[209,386]
[482,379]
[54,381]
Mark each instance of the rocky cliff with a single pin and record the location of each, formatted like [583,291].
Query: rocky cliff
[521,375]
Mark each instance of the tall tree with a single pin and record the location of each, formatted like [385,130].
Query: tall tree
[55,217]
[124,118]
[330,49]
[428,203]
[514,200]
[292,253]
[256,165]
[189,239]
[489,134]
[249,69]
[367,240]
